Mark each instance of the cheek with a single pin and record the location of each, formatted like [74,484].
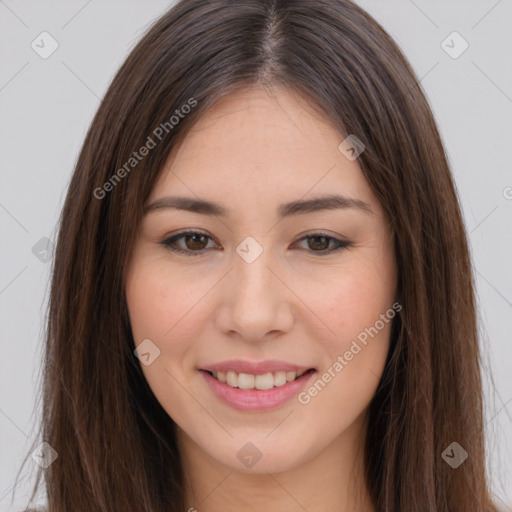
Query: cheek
[359,306]
[161,302]
[356,301]
[149,304]
[354,358]
[169,319]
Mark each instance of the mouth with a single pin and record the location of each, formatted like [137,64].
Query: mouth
[262,382]
[258,392]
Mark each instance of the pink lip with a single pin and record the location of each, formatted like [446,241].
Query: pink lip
[239,366]
[255,399]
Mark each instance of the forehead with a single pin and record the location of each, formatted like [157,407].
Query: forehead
[255,148]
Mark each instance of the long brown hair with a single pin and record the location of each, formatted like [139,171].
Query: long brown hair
[116,445]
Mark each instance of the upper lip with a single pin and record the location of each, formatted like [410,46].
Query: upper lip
[254,368]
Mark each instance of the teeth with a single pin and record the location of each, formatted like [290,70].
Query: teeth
[232,379]
[246,381]
[262,382]
[280,379]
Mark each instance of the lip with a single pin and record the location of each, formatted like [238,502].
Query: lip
[254,368]
[254,399]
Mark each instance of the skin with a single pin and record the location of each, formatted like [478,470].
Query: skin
[254,150]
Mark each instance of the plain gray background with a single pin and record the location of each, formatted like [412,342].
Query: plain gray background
[47,104]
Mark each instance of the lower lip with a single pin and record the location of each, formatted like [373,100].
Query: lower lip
[256,399]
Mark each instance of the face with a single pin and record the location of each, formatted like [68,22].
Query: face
[259,292]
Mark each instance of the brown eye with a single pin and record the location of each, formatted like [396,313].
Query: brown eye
[319,242]
[322,244]
[195,243]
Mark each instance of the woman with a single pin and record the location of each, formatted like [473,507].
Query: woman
[262,295]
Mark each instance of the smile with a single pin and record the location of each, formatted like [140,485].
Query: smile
[256,392]
[265,381]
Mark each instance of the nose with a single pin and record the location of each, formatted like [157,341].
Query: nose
[256,303]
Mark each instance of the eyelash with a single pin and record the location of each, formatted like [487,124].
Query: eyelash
[168,243]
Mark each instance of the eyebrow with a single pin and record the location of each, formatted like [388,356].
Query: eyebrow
[299,207]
